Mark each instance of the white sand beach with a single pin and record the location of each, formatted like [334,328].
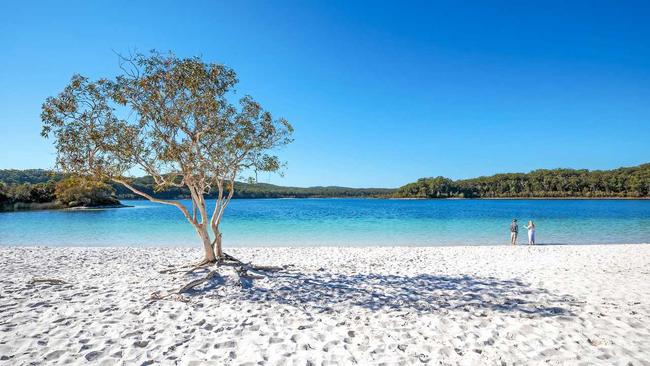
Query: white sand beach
[505,305]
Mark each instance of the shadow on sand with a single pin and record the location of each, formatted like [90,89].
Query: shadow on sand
[422,293]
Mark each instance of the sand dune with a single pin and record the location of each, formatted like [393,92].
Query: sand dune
[453,305]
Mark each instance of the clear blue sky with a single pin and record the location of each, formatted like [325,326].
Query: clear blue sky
[380,93]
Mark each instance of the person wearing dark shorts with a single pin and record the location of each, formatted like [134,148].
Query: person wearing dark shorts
[514,231]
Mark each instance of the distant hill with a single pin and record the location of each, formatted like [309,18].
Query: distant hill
[629,182]
[31,176]
[242,190]
[260,190]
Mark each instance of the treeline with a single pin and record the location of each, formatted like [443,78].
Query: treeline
[244,190]
[256,190]
[38,188]
[631,182]
[41,183]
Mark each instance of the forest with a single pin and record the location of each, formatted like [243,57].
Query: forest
[255,190]
[37,188]
[629,182]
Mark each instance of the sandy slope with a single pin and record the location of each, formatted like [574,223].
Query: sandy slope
[455,305]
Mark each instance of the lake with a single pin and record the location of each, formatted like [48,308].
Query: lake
[341,222]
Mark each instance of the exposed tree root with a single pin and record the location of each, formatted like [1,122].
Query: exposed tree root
[268,268]
[225,260]
[192,284]
[200,265]
[246,274]
[51,281]
[228,257]
[158,295]
[245,278]
[248,266]
[193,267]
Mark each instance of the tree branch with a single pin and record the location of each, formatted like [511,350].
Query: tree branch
[180,206]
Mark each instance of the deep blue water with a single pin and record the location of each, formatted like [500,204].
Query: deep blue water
[359,222]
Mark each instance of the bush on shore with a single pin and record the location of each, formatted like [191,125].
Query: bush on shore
[80,191]
[69,192]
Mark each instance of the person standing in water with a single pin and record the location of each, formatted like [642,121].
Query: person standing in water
[531,232]
[514,231]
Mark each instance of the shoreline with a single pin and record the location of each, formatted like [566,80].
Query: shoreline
[52,206]
[564,304]
[197,246]
[530,198]
[422,199]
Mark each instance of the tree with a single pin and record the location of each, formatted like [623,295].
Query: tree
[173,119]
[82,191]
[4,194]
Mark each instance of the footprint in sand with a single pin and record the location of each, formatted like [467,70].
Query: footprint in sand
[54,355]
[141,344]
[227,344]
[92,356]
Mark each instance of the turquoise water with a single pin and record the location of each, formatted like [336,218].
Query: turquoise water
[357,222]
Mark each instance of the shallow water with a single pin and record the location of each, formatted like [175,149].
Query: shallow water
[344,222]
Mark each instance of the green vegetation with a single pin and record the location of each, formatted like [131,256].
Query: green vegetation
[31,176]
[632,182]
[30,191]
[253,190]
[76,191]
[36,188]
[27,196]
[242,190]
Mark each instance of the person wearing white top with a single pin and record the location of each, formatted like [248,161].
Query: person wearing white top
[531,232]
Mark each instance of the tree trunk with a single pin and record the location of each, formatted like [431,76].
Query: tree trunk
[207,245]
[217,245]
